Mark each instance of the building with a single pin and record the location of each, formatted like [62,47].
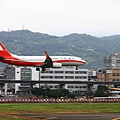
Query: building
[112,61]
[111,70]
[109,75]
[92,76]
[2,76]
[62,74]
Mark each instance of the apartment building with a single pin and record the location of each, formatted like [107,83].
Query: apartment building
[112,61]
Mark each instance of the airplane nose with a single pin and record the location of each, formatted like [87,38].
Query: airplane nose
[84,61]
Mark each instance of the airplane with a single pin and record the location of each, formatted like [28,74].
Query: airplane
[39,61]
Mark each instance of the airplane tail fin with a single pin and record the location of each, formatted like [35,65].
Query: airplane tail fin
[4,53]
[46,54]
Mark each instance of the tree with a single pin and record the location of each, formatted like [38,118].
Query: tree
[65,92]
[100,93]
[51,93]
[88,94]
[38,91]
[103,88]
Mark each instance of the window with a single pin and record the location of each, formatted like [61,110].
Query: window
[46,77]
[77,77]
[42,86]
[80,77]
[76,86]
[70,87]
[117,74]
[113,79]
[69,77]
[81,72]
[117,79]
[48,72]
[58,77]
[84,87]
[50,86]
[113,74]
[84,77]
[25,75]
[56,86]
[58,72]
[69,72]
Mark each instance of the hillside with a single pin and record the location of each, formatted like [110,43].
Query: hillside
[90,48]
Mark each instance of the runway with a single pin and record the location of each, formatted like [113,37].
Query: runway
[74,116]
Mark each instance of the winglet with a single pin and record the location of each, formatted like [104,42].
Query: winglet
[46,54]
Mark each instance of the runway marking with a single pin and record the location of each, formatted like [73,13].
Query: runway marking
[116,119]
[49,118]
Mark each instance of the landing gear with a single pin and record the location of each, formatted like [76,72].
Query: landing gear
[37,69]
[43,69]
[76,67]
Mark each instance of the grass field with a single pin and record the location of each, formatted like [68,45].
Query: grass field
[7,111]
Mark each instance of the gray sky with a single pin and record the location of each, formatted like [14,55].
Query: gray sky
[61,17]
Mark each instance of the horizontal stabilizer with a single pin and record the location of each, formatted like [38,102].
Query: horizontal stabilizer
[2,58]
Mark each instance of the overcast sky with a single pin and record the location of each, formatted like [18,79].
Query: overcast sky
[61,17]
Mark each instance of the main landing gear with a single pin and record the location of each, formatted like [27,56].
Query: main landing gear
[38,69]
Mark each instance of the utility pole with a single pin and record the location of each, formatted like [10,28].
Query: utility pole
[39,78]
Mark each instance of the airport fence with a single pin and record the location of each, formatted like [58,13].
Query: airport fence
[112,100]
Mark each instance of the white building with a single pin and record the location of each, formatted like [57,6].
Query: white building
[62,74]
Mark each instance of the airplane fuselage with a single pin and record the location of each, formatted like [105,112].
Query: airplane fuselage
[37,60]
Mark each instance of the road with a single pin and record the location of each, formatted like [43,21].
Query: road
[77,116]
[59,82]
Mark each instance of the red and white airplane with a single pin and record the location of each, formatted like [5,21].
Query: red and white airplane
[39,61]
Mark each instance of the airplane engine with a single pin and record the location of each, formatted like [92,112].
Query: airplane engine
[57,65]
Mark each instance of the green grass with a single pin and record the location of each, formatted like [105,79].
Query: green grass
[14,108]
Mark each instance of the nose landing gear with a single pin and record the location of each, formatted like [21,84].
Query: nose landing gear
[76,67]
